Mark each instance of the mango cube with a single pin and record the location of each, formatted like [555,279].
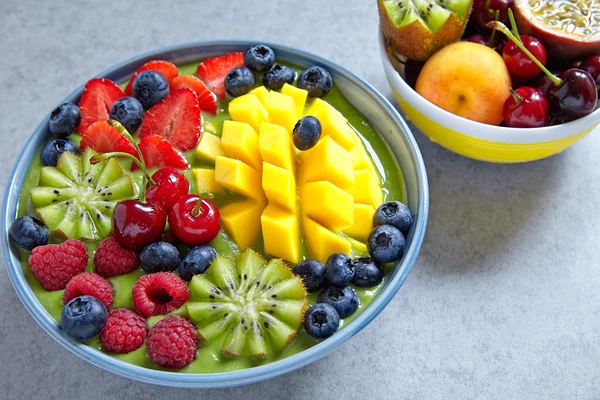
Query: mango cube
[327,204]
[359,249]
[205,181]
[322,242]
[281,233]
[279,186]
[299,96]
[366,189]
[361,158]
[248,109]
[209,147]
[335,125]
[328,161]
[282,110]
[275,146]
[241,221]
[239,178]
[315,106]
[240,141]
[363,222]
[263,95]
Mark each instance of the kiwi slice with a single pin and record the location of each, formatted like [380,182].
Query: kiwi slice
[252,307]
[76,199]
[418,28]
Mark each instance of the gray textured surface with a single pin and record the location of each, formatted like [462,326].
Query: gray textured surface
[504,301]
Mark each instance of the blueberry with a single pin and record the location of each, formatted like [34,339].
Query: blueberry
[321,321]
[83,317]
[277,76]
[315,80]
[28,232]
[149,87]
[259,57]
[52,151]
[129,112]
[386,244]
[343,299]
[339,269]
[239,81]
[196,262]
[306,133]
[159,257]
[394,213]
[64,119]
[312,273]
[366,272]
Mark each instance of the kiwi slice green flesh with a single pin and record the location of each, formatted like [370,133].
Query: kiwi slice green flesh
[76,199]
[253,308]
[432,13]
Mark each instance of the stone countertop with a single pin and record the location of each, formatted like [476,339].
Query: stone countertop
[504,300]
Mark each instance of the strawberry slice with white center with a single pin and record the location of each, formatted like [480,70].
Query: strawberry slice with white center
[206,99]
[175,118]
[166,69]
[98,97]
[158,153]
[214,70]
[103,138]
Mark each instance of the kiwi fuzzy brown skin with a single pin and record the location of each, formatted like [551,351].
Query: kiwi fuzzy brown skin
[415,40]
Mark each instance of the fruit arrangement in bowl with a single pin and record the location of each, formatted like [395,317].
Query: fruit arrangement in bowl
[217,215]
[495,80]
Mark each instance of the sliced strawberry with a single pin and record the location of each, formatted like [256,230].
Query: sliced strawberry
[214,70]
[159,153]
[165,68]
[175,118]
[104,138]
[98,96]
[206,99]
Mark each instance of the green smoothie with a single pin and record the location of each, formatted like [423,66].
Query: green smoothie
[209,358]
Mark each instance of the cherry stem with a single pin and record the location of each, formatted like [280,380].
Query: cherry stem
[515,95]
[556,81]
[513,24]
[493,35]
[487,7]
[196,209]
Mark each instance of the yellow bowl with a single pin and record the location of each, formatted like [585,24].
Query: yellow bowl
[481,141]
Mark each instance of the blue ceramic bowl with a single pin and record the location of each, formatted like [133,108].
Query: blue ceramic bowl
[365,98]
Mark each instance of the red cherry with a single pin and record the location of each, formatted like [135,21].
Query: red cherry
[527,107]
[484,11]
[170,185]
[194,225]
[518,63]
[136,224]
[591,65]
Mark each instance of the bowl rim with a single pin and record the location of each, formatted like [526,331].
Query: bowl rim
[232,378]
[479,130]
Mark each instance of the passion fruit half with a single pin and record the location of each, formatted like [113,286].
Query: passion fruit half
[418,28]
[570,29]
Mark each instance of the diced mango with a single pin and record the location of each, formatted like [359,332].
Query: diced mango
[209,147]
[322,242]
[248,109]
[363,222]
[241,220]
[299,96]
[315,106]
[281,233]
[263,95]
[335,125]
[366,189]
[361,158]
[205,181]
[239,178]
[282,110]
[327,204]
[359,249]
[279,186]
[328,161]
[240,141]
[275,146]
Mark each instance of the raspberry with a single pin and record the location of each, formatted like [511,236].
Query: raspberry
[89,284]
[55,264]
[111,259]
[159,293]
[172,342]
[124,331]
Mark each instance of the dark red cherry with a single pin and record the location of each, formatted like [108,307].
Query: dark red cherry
[591,65]
[412,69]
[543,83]
[136,224]
[194,223]
[575,97]
[497,43]
[520,64]
[484,11]
[170,184]
[527,107]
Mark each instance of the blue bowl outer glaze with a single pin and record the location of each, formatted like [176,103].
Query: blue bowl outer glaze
[364,97]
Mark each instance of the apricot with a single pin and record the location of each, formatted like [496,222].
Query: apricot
[467,79]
